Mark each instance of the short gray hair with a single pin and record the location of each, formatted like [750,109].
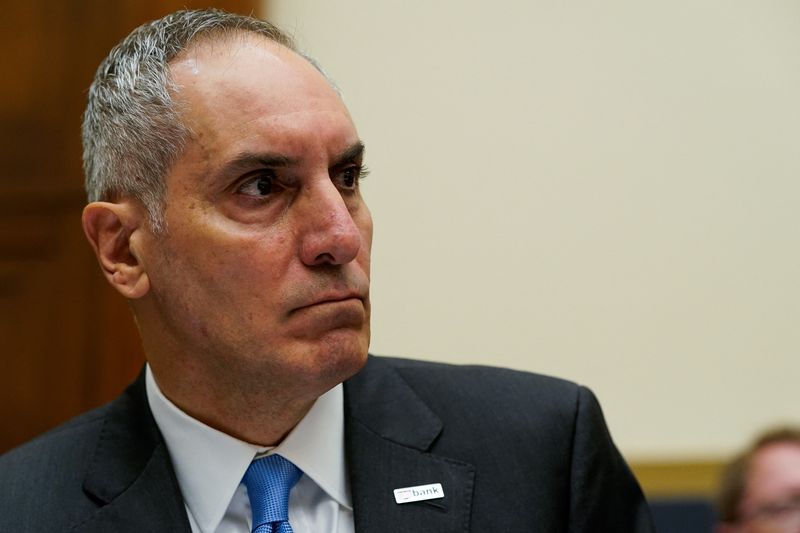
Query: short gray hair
[132,131]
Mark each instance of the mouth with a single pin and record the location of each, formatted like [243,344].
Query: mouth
[331,311]
[332,299]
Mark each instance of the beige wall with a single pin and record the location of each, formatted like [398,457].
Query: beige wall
[609,194]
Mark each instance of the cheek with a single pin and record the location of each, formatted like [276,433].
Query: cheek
[272,253]
[229,271]
[215,242]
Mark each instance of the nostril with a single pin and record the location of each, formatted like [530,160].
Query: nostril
[324,259]
[331,245]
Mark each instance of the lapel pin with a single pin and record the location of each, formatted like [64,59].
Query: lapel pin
[419,493]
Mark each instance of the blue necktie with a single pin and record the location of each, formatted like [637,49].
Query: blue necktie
[268,481]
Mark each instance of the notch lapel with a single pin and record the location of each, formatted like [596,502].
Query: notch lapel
[131,475]
[389,433]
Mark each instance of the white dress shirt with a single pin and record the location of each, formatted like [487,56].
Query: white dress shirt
[210,465]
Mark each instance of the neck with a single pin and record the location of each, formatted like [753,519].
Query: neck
[255,414]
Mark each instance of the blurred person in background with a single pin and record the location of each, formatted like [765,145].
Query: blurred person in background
[760,489]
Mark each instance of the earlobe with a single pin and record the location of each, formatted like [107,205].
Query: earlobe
[111,229]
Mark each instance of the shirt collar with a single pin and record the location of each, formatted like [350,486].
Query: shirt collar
[210,464]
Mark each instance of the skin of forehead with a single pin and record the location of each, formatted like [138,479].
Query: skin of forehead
[774,474]
[208,66]
[255,79]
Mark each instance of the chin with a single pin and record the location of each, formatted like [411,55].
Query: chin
[343,362]
[339,357]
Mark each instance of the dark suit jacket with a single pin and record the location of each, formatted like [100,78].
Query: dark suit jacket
[513,452]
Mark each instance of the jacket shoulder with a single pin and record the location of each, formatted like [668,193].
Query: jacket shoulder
[540,441]
[56,443]
[503,403]
[48,471]
[481,383]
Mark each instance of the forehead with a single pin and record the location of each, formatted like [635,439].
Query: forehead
[239,93]
[775,471]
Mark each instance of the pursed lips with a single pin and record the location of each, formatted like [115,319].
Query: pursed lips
[331,298]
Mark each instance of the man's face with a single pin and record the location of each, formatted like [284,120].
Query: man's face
[264,267]
[771,502]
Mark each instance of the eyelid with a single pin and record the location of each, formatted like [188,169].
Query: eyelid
[250,177]
[253,174]
[360,170]
[357,165]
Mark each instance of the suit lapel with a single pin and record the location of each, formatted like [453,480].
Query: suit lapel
[389,432]
[131,474]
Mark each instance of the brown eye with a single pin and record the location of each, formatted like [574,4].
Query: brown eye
[261,185]
[349,177]
[264,185]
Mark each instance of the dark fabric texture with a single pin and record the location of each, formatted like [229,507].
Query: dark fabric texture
[683,515]
[513,451]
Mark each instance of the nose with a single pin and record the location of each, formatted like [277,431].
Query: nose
[330,234]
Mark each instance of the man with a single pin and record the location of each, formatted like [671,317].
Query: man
[223,175]
[760,489]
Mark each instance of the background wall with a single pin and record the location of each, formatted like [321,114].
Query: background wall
[608,194]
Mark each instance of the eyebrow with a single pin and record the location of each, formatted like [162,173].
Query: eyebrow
[354,152]
[248,160]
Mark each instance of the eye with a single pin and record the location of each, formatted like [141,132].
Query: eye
[350,176]
[259,185]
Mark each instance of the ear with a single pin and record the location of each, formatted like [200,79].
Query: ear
[113,231]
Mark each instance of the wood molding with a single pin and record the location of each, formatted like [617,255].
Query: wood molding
[673,479]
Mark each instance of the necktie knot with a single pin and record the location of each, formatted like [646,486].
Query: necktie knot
[269,481]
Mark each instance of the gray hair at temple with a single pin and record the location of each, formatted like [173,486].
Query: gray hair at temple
[132,130]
